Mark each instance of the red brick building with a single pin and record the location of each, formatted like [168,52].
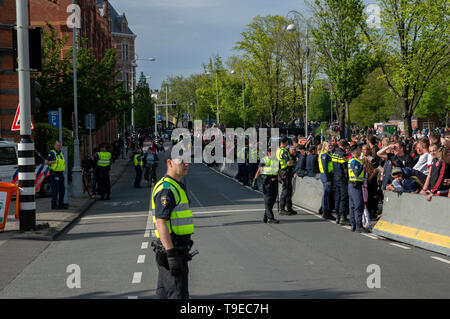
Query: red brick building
[95,26]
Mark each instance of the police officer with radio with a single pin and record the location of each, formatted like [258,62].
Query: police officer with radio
[103,162]
[268,168]
[57,165]
[174,226]
[286,173]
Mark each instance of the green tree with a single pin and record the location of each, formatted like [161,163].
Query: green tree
[415,34]
[143,104]
[345,59]
[319,102]
[376,103]
[263,56]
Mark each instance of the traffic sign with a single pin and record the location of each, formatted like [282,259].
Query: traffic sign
[53,118]
[159,117]
[89,121]
[16,123]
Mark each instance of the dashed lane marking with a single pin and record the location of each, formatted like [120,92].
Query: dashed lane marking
[132,297]
[400,246]
[144,245]
[141,259]
[441,259]
[367,235]
[137,276]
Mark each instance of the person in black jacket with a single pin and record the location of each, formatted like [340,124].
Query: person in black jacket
[300,165]
[340,178]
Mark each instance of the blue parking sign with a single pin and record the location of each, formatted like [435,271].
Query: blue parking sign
[53,118]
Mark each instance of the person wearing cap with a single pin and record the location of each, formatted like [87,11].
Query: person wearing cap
[326,177]
[57,165]
[268,168]
[340,179]
[138,166]
[356,178]
[286,164]
[102,160]
[174,226]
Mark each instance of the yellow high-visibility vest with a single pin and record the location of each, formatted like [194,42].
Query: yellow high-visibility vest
[60,164]
[181,219]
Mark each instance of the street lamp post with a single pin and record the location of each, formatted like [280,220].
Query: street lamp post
[292,28]
[243,94]
[77,190]
[217,95]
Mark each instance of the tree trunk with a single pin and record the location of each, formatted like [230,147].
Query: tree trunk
[407,115]
[341,120]
[349,122]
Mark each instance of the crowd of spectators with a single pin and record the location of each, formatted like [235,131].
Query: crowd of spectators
[418,165]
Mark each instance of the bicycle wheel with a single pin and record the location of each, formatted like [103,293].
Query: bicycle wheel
[86,184]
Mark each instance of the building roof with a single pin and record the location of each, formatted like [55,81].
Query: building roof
[116,19]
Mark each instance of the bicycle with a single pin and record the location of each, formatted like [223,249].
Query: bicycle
[88,181]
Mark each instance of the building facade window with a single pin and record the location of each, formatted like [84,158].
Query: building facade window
[124,52]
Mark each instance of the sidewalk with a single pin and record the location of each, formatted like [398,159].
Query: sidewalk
[58,220]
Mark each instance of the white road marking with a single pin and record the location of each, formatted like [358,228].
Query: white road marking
[132,297]
[117,216]
[370,236]
[147,233]
[229,211]
[144,245]
[141,259]
[441,259]
[137,276]
[2,242]
[348,227]
[400,246]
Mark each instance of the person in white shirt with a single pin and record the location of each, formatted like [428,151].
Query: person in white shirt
[425,160]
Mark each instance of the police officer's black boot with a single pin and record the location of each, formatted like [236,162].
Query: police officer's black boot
[338,219]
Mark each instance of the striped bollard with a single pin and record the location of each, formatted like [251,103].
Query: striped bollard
[27,176]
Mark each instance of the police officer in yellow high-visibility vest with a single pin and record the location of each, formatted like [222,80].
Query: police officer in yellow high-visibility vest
[103,161]
[138,165]
[57,165]
[286,175]
[174,226]
[356,179]
[268,168]
[326,176]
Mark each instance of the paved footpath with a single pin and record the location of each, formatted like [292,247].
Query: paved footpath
[18,248]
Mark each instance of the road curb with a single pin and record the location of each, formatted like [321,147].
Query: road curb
[52,233]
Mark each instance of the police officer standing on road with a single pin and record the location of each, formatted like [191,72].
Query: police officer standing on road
[269,170]
[57,165]
[340,179]
[174,226]
[326,176]
[286,173]
[138,165]
[103,161]
[356,179]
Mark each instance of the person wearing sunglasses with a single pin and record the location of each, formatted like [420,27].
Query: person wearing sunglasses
[174,226]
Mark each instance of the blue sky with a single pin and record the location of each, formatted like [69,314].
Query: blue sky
[183,34]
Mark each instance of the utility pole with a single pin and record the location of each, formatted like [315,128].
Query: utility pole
[27,213]
[77,190]
[167,112]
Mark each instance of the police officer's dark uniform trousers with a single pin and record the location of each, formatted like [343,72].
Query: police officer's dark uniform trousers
[57,178]
[269,169]
[170,201]
[243,168]
[104,165]
[340,180]
[283,157]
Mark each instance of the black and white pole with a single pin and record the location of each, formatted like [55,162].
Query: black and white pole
[27,174]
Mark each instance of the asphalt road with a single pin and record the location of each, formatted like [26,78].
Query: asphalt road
[240,257]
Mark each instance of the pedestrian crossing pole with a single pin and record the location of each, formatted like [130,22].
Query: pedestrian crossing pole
[27,213]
